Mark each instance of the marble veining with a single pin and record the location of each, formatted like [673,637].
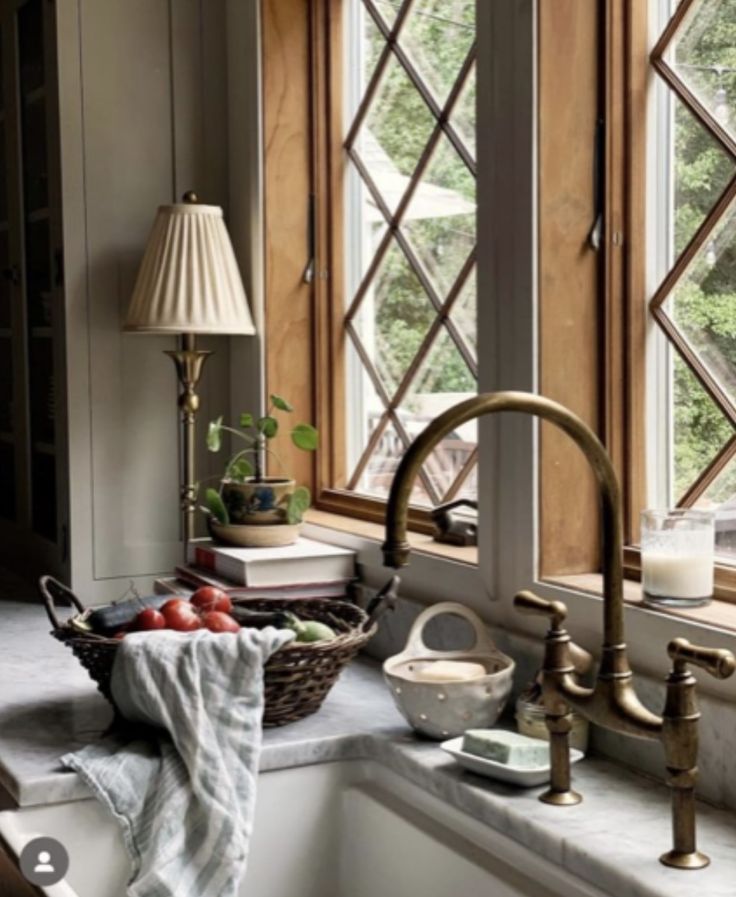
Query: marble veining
[612,839]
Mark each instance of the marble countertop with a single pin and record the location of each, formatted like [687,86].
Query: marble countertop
[612,840]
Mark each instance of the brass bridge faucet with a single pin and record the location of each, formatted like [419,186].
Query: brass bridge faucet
[612,703]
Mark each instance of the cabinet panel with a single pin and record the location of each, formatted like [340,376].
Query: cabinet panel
[6,292]
[32,492]
[31,50]
[7,481]
[129,171]
[148,130]
[35,154]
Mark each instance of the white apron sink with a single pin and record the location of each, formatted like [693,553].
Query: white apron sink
[347,829]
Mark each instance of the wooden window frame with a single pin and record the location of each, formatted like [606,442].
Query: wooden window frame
[328,161]
[592,140]
[302,113]
[303,104]
[625,304]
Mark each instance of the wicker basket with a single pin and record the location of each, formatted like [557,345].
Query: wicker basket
[297,676]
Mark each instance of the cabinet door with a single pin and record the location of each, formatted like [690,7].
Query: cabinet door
[33,501]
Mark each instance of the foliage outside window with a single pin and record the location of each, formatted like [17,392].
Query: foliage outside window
[696,304]
[410,239]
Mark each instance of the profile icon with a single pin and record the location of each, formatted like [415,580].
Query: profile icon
[44,861]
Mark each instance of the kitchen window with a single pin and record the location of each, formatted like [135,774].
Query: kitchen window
[695,305]
[384,311]
[409,240]
[400,296]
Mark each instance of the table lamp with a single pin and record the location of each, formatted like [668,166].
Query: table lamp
[189,283]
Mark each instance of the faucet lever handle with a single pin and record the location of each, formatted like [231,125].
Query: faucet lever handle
[528,603]
[717,661]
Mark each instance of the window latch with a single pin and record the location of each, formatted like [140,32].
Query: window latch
[595,237]
[308,276]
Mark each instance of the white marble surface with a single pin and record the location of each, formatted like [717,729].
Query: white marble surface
[717,727]
[612,839]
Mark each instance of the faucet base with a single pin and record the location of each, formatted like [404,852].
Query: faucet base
[561,798]
[679,860]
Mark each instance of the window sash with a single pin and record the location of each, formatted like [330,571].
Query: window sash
[333,476]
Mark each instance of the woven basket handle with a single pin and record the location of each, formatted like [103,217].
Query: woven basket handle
[52,591]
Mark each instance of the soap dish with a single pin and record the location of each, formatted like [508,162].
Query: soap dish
[446,709]
[524,776]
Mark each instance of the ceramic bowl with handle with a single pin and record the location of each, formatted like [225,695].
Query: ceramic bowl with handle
[443,710]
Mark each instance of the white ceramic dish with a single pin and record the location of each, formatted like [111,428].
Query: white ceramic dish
[445,709]
[524,776]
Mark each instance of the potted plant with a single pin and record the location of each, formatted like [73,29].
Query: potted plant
[251,508]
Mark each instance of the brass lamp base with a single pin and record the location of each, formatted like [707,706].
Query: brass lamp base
[189,363]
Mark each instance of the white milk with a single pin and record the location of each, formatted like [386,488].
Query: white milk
[686,576]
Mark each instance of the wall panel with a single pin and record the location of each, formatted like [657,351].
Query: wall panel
[144,118]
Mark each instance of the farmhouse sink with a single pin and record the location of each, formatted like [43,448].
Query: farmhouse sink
[344,829]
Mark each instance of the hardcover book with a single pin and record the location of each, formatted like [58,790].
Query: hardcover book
[303,563]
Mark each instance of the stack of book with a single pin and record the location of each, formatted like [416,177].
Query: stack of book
[306,569]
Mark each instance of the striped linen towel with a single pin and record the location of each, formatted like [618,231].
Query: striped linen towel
[184,791]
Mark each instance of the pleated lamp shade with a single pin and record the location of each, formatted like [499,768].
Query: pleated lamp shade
[189,280]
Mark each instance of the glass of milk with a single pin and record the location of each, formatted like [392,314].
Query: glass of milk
[677,549]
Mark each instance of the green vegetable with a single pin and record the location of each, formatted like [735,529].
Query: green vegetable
[314,631]
[310,630]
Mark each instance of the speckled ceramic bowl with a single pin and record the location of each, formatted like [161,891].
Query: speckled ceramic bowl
[443,710]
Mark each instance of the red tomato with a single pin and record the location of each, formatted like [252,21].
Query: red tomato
[217,621]
[150,619]
[211,598]
[180,615]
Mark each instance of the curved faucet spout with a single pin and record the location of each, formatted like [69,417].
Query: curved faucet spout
[613,702]
[396,548]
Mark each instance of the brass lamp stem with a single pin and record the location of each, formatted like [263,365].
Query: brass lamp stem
[189,363]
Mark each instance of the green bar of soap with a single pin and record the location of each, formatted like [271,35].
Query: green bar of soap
[508,748]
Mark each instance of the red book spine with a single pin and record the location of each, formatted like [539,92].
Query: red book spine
[204,558]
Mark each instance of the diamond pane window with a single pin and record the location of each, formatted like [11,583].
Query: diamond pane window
[696,303]
[410,233]
[703,56]
[463,113]
[437,35]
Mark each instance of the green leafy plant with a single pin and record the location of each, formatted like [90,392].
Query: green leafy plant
[248,464]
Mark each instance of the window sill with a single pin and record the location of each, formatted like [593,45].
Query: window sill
[435,573]
[720,614]
[420,543]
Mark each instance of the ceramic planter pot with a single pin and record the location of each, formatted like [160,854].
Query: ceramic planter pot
[446,709]
[252,536]
[258,504]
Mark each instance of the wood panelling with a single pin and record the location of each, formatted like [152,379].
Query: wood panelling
[289,333]
[569,275]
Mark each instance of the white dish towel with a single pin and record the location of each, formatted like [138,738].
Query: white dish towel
[184,791]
